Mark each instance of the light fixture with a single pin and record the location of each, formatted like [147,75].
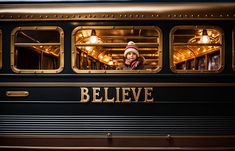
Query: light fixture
[110,63]
[205,38]
[93,38]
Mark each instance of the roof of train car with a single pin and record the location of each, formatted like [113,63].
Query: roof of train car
[124,9]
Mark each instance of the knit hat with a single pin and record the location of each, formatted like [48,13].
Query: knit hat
[131,47]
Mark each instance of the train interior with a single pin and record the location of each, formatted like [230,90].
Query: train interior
[102,48]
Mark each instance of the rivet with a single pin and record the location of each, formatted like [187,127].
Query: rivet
[107,16]
[94,16]
[142,16]
[137,16]
[73,16]
[40,16]
[112,16]
[46,16]
[152,15]
[55,16]
[157,15]
[89,16]
[180,15]
[174,15]
[79,16]
[125,16]
[198,15]
[11,16]
[19,16]
[212,15]
[103,16]
[186,15]
[169,138]
[120,15]
[192,15]
[169,16]
[109,134]
[67,16]
[206,15]
[131,15]
[85,16]
[227,15]
[221,15]
[26,16]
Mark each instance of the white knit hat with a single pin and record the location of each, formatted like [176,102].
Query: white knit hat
[131,47]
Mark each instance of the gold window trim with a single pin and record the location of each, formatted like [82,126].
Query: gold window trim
[61,67]
[73,52]
[0,49]
[222,50]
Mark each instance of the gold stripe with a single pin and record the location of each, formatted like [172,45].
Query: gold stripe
[120,148]
[17,93]
[111,84]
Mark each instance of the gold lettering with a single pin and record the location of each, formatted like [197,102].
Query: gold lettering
[96,95]
[136,96]
[117,95]
[148,93]
[84,93]
[107,100]
[125,94]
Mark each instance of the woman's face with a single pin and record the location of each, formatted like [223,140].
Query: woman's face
[131,56]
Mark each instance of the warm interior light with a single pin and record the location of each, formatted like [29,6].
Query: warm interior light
[205,38]
[93,38]
[110,63]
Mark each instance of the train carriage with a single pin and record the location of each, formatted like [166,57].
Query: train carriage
[61,86]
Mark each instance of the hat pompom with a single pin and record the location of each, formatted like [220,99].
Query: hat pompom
[131,43]
[131,47]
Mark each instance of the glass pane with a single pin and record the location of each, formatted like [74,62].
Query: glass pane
[37,49]
[37,36]
[110,49]
[197,49]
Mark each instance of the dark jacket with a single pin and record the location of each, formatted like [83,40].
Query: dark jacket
[123,66]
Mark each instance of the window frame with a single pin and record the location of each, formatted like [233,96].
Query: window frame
[73,52]
[222,50]
[61,45]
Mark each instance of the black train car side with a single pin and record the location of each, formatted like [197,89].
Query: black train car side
[60,87]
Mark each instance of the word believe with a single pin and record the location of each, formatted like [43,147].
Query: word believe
[116,95]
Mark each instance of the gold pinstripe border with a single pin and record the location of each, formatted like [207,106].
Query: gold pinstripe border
[112,84]
[119,148]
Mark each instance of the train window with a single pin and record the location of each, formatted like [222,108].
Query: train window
[0,49]
[196,49]
[37,49]
[103,49]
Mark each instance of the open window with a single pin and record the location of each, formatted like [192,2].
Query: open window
[37,49]
[196,49]
[100,49]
